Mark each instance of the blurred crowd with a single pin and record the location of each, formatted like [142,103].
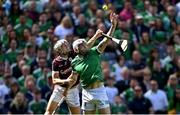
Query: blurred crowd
[144,79]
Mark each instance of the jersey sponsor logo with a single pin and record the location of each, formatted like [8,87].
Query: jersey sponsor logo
[66,71]
[60,66]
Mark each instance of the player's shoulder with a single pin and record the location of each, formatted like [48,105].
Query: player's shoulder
[94,50]
[72,54]
[76,60]
[57,61]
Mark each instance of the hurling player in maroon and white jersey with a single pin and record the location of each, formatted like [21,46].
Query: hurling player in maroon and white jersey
[61,70]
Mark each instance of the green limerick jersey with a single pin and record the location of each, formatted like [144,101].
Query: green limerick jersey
[88,67]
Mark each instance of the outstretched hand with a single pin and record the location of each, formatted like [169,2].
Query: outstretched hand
[99,33]
[114,18]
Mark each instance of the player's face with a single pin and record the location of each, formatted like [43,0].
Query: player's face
[65,48]
[83,49]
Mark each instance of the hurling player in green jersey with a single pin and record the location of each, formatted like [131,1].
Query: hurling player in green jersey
[87,65]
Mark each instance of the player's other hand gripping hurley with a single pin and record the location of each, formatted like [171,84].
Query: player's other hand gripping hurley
[114,19]
[98,33]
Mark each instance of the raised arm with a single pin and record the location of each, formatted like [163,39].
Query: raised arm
[91,41]
[102,45]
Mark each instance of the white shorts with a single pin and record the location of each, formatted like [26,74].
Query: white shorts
[72,97]
[94,98]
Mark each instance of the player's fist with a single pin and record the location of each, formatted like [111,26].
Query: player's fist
[114,18]
[99,33]
[69,81]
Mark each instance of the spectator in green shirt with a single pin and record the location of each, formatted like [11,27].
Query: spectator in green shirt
[128,94]
[44,24]
[119,107]
[37,105]
[19,28]
[176,42]
[43,79]
[90,12]
[170,89]
[6,37]
[25,69]
[159,34]
[145,46]
[12,52]
[81,28]
[14,12]
[30,53]
[42,63]
[177,100]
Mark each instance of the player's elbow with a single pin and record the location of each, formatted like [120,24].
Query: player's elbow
[54,81]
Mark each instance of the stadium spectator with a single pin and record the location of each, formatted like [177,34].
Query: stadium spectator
[176,101]
[37,105]
[119,107]
[111,90]
[128,94]
[123,84]
[170,89]
[139,27]
[145,46]
[127,13]
[25,69]
[65,28]
[117,67]
[139,104]
[158,98]
[159,74]
[19,105]
[137,66]
[146,79]
[81,28]
[16,67]
[14,89]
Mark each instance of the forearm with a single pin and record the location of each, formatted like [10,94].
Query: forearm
[59,81]
[91,41]
[73,77]
[102,45]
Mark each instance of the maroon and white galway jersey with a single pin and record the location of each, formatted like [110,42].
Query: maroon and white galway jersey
[63,66]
